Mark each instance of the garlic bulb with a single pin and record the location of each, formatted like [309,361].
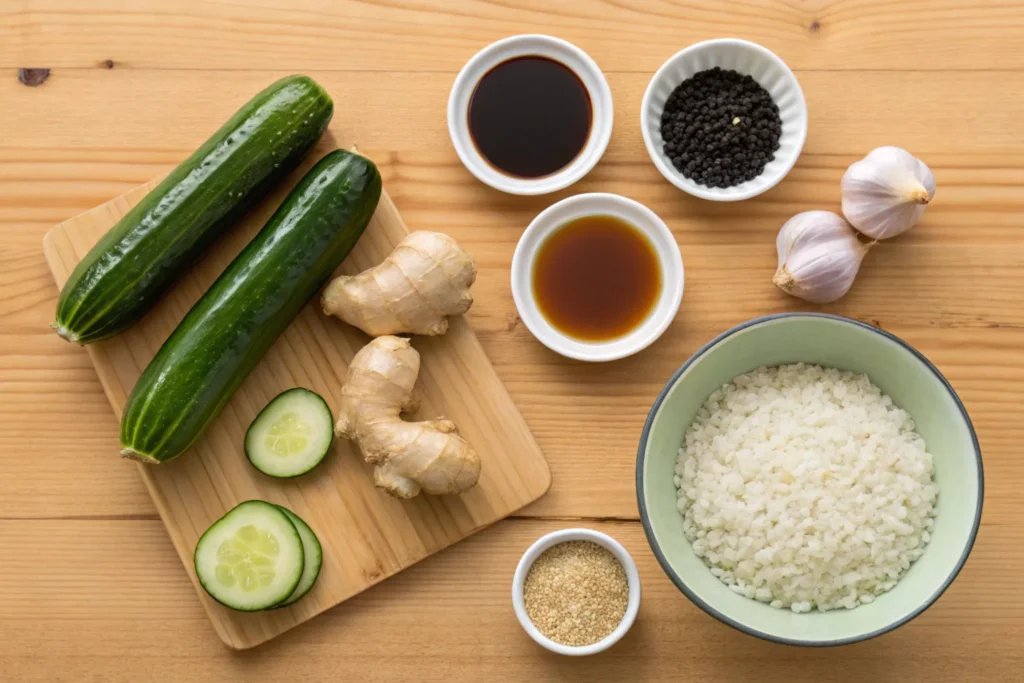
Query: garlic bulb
[884,194]
[819,256]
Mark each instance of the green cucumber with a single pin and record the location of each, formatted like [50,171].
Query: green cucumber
[291,435]
[252,558]
[229,329]
[139,258]
[312,552]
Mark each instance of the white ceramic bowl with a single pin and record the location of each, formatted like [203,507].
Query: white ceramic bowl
[602,204]
[749,59]
[521,46]
[552,539]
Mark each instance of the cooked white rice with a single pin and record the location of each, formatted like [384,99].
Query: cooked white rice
[805,487]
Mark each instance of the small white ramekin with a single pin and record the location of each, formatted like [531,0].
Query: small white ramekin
[749,59]
[523,46]
[598,204]
[553,539]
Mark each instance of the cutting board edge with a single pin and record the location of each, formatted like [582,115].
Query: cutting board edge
[210,606]
[49,249]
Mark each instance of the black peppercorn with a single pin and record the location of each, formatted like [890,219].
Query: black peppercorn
[720,128]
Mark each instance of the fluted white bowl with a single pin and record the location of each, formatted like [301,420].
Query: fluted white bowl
[749,59]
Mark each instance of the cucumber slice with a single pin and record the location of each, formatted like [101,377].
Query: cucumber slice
[291,435]
[313,554]
[251,558]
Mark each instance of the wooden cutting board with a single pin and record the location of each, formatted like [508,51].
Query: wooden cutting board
[367,536]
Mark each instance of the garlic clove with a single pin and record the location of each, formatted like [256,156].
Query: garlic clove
[819,256]
[885,193]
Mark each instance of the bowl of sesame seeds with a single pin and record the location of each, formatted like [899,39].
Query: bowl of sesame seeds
[724,119]
[576,591]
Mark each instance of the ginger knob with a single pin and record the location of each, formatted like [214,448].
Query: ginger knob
[423,281]
[409,456]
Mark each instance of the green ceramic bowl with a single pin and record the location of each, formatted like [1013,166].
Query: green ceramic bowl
[902,373]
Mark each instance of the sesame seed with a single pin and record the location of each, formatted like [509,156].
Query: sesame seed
[576,593]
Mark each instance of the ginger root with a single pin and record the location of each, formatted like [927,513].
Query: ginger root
[425,279]
[409,456]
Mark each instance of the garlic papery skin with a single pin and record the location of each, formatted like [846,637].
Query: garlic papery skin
[819,256]
[885,193]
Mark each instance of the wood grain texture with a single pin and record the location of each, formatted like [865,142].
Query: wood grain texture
[952,287]
[943,78]
[367,536]
[976,112]
[450,619]
[419,35]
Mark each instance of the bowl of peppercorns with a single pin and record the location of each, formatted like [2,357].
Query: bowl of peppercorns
[724,119]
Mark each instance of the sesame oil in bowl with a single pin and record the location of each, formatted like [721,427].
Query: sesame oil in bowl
[596,278]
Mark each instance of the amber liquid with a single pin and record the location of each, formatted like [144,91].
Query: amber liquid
[530,116]
[596,278]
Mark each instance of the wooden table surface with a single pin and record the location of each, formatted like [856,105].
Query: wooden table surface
[90,587]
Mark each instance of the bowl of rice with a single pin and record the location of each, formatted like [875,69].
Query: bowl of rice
[810,480]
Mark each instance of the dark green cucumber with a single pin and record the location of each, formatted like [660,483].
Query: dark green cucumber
[219,341]
[138,259]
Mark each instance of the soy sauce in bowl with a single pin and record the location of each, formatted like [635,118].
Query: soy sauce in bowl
[530,116]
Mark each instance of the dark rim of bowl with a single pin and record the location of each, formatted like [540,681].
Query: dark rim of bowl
[681,585]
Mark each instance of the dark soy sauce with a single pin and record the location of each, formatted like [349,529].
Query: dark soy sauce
[596,278]
[530,116]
